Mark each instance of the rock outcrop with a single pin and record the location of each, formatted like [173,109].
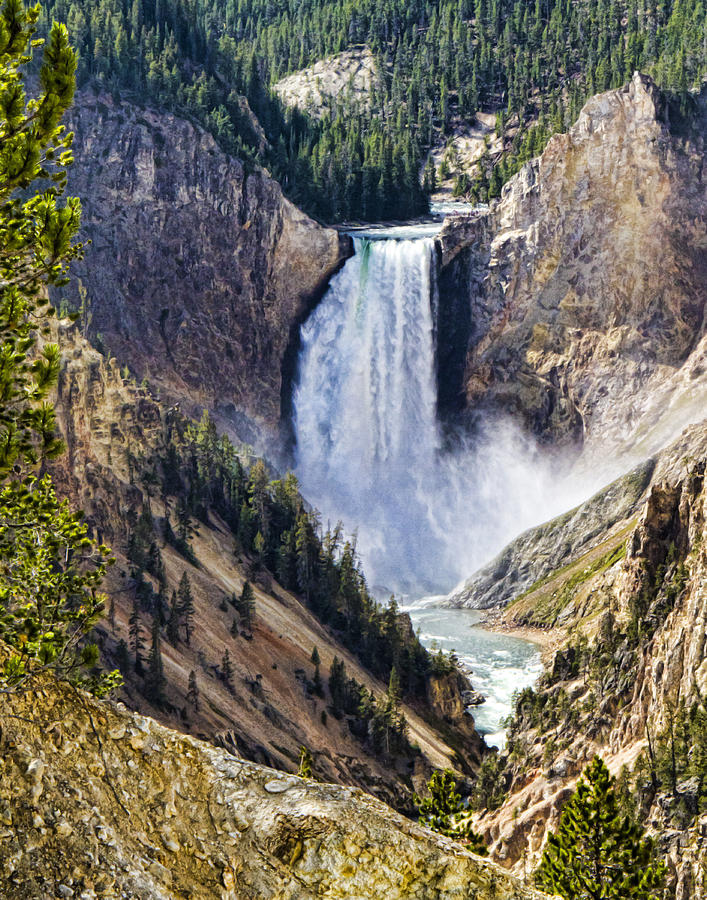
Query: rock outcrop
[97,802]
[347,77]
[199,271]
[579,299]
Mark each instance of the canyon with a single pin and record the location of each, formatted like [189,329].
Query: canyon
[574,306]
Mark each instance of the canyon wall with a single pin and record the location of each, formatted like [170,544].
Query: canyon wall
[199,271]
[114,430]
[619,594]
[577,303]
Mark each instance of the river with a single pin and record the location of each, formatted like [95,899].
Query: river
[500,663]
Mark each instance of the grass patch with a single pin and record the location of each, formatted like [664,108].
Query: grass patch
[550,603]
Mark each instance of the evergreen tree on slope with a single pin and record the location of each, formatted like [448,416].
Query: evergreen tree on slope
[597,853]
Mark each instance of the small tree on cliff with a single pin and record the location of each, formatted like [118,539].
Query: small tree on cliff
[597,853]
[305,763]
[444,812]
[245,604]
[193,692]
[185,606]
[317,681]
[155,680]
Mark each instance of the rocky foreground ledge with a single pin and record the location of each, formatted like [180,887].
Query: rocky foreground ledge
[98,802]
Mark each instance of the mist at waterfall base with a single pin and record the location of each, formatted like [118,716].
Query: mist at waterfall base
[368,444]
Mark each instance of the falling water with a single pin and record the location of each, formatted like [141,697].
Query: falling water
[365,405]
[368,444]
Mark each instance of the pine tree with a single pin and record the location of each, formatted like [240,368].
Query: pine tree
[317,681]
[193,692]
[598,853]
[443,811]
[155,680]
[137,644]
[246,605]
[173,621]
[337,684]
[394,694]
[122,656]
[51,569]
[185,606]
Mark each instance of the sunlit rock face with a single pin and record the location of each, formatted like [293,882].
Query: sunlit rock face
[582,292]
[199,271]
[98,802]
[589,570]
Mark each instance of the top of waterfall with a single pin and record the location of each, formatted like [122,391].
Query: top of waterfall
[415,230]
[410,232]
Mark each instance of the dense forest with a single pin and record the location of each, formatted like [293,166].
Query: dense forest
[534,62]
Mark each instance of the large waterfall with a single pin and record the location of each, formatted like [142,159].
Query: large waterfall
[368,447]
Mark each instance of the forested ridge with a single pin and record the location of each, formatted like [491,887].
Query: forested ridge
[439,61]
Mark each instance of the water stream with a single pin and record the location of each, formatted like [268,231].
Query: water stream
[500,664]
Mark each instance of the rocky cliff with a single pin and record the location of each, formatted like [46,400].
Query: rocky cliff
[577,303]
[628,610]
[112,428]
[199,271]
[99,802]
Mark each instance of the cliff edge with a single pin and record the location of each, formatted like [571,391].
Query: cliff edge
[99,802]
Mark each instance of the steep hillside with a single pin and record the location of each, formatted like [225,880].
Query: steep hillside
[627,606]
[442,61]
[577,304]
[199,271]
[104,803]
[270,708]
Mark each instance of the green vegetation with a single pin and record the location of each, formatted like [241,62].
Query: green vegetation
[379,721]
[598,853]
[50,569]
[490,786]
[199,472]
[544,612]
[444,811]
[306,763]
[197,475]
[439,62]
[674,764]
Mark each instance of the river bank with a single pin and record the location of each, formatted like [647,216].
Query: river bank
[548,639]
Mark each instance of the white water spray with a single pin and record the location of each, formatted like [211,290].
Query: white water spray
[368,441]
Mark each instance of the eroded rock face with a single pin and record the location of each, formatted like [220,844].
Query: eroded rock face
[199,272]
[584,287]
[632,688]
[99,802]
[351,74]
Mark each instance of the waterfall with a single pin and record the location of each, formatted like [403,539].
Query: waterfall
[365,403]
[368,445]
